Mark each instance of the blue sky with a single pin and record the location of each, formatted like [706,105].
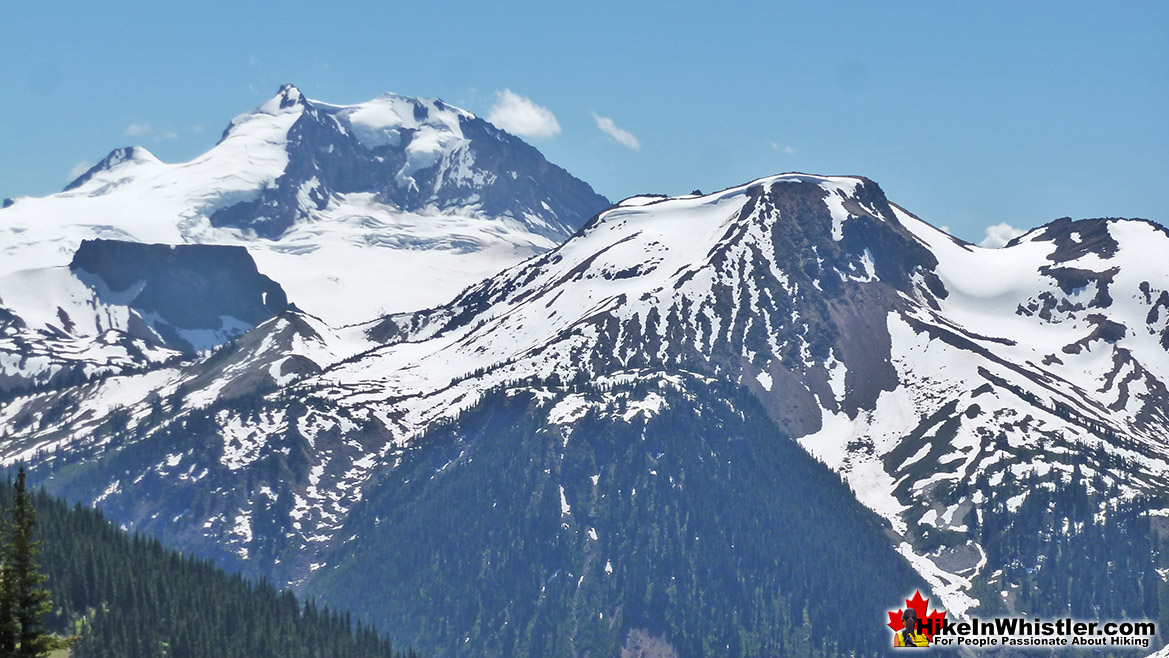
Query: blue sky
[967,114]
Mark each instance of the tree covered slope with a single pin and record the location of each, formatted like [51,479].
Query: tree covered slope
[126,596]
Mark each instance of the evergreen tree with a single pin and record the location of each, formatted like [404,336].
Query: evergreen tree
[9,627]
[22,579]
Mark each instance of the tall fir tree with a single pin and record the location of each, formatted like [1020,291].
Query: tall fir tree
[9,627]
[23,592]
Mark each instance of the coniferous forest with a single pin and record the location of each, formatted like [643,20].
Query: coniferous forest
[1070,550]
[122,596]
[699,531]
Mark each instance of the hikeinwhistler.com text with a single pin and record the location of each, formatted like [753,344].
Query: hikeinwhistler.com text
[1022,632]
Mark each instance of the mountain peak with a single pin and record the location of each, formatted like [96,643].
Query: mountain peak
[288,98]
[413,154]
[116,158]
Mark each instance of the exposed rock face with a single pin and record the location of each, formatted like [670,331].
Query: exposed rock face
[124,307]
[185,286]
[412,154]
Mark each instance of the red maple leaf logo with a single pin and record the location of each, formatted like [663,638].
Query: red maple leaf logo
[919,606]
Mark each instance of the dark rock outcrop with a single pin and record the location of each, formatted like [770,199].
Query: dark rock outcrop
[179,288]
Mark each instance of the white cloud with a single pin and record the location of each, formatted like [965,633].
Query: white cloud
[999,235]
[518,115]
[79,168]
[790,150]
[137,129]
[622,137]
[170,134]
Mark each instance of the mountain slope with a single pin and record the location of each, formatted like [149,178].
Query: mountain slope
[129,597]
[921,369]
[554,523]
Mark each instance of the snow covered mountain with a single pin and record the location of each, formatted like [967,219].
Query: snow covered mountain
[391,205]
[925,371]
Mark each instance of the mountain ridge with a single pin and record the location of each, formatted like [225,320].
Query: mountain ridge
[918,368]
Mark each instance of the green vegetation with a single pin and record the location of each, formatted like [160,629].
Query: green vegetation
[698,527]
[1071,550]
[23,600]
[123,596]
